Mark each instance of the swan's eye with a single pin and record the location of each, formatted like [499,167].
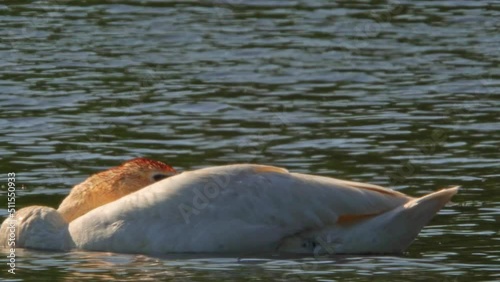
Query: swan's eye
[158,177]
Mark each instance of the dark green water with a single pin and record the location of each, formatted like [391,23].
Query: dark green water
[402,94]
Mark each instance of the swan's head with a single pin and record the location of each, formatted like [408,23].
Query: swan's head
[112,184]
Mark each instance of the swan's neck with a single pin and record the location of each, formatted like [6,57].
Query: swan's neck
[98,190]
[36,227]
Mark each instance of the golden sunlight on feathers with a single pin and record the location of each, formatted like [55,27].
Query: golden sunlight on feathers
[112,184]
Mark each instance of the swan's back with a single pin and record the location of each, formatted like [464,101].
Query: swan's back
[235,208]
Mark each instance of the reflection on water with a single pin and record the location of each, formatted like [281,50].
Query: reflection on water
[88,266]
[398,94]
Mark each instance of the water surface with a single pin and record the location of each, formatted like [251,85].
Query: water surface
[401,94]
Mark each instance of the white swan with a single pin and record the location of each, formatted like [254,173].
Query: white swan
[239,209]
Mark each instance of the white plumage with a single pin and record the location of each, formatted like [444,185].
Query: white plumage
[246,209]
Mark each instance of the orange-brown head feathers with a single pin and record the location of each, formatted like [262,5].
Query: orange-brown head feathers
[151,169]
[112,184]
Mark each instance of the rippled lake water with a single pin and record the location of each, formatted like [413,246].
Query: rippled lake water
[397,93]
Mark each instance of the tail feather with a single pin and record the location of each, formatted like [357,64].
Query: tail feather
[389,232]
[394,231]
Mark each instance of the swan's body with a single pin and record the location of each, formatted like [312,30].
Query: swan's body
[240,209]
